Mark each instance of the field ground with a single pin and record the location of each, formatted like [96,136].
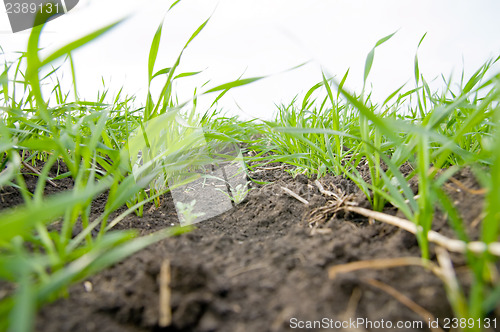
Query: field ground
[262,263]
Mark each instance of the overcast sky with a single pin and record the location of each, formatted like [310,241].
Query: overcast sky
[267,37]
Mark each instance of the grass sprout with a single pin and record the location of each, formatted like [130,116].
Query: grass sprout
[186,211]
[238,193]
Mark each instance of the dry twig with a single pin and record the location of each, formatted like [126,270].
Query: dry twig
[462,186]
[441,240]
[34,170]
[264,169]
[246,269]
[165,310]
[403,299]
[294,195]
[448,276]
[376,264]
[350,312]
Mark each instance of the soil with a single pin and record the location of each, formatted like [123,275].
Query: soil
[262,265]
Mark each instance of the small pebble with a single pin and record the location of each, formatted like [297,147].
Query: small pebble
[87,285]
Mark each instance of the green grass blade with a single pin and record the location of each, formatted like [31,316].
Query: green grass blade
[417,68]
[21,220]
[196,33]
[78,43]
[342,82]
[379,122]
[173,5]
[103,255]
[22,315]
[234,84]
[305,101]
[392,94]
[371,55]
[153,52]
[188,74]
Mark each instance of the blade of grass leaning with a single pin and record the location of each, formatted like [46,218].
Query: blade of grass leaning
[101,257]
[174,4]
[380,123]
[305,101]
[78,43]
[20,221]
[371,55]
[168,91]
[416,65]
[153,54]
[234,84]
[342,82]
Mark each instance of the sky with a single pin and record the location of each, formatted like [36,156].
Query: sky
[268,38]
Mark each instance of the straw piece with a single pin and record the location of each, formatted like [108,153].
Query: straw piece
[406,301]
[441,240]
[165,310]
[294,195]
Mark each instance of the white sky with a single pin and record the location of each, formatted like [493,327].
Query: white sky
[263,37]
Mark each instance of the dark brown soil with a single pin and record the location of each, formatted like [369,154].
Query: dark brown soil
[10,196]
[259,265]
